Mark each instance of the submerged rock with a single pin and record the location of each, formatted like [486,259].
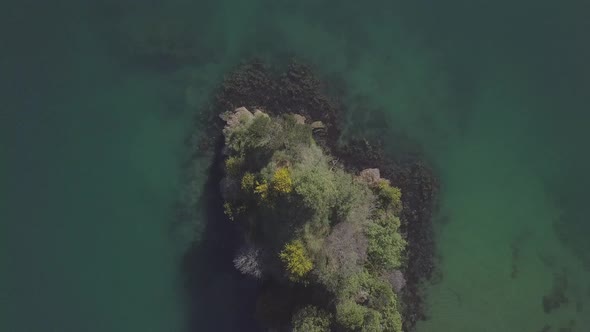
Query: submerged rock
[556,297]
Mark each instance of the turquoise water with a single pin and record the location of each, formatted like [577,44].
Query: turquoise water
[495,94]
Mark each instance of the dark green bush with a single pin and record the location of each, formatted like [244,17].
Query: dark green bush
[311,319]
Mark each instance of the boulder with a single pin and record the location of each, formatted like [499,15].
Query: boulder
[371,176]
[300,119]
[258,113]
[318,125]
[239,117]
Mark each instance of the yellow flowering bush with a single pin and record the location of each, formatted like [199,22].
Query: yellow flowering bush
[261,189]
[281,181]
[296,260]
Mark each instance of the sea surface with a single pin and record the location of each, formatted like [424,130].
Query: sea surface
[494,95]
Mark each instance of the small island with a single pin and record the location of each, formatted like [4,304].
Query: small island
[319,232]
[328,238]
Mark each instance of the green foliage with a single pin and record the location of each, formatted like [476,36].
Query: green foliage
[386,245]
[390,196]
[350,314]
[373,322]
[248,182]
[260,133]
[228,211]
[281,181]
[314,181]
[232,211]
[295,134]
[296,260]
[233,165]
[355,201]
[261,189]
[392,319]
[311,319]
[346,231]
[369,301]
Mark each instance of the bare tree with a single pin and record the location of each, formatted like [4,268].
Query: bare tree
[396,279]
[346,248]
[248,261]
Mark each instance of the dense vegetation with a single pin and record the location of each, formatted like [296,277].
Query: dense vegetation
[324,241]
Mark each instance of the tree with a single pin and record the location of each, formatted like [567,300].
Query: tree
[233,165]
[281,181]
[350,314]
[248,262]
[311,319]
[289,194]
[248,182]
[390,196]
[386,245]
[261,189]
[296,260]
[345,252]
[313,181]
[368,301]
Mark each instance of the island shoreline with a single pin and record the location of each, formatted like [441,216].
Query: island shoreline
[296,91]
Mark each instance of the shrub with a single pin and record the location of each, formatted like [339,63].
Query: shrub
[392,319]
[260,132]
[376,300]
[350,314]
[355,201]
[233,165]
[311,319]
[261,189]
[385,245]
[295,134]
[232,211]
[314,181]
[390,196]
[248,182]
[296,260]
[281,181]
[373,322]
[228,211]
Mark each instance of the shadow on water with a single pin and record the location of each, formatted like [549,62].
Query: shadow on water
[220,298]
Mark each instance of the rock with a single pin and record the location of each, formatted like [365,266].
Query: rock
[317,125]
[239,117]
[258,113]
[370,176]
[300,119]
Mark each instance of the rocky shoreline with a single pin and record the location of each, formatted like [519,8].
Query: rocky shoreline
[296,90]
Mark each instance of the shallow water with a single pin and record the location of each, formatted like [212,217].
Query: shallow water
[495,94]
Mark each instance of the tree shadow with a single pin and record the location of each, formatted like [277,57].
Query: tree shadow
[220,298]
